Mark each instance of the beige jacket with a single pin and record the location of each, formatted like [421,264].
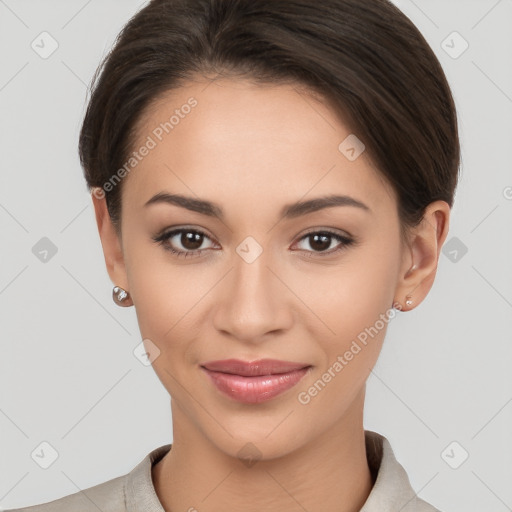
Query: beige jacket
[134,492]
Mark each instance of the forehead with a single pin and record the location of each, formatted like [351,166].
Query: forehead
[242,142]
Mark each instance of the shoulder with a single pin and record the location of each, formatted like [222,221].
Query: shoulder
[108,496]
[419,505]
[132,491]
[392,489]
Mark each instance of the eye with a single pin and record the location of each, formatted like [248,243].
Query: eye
[320,241]
[183,242]
[187,242]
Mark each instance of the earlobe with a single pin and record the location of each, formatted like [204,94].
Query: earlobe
[111,244]
[422,258]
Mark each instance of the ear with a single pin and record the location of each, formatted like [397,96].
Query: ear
[110,241]
[421,255]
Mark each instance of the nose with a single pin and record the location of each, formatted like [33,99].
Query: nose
[253,302]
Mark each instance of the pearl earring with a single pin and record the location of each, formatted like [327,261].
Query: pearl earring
[119,295]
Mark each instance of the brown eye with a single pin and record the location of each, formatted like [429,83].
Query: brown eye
[183,242]
[320,241]
[191,240]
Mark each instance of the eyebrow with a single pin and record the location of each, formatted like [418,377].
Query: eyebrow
[289,211]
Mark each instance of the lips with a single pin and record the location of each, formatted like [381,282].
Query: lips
[254,368]
[255,381]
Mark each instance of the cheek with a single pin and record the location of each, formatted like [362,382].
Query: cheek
[352,304]
[169,303]
[350,296]
[165,308]
[359,316]
[163,291]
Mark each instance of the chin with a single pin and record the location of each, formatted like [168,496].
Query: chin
[263,440]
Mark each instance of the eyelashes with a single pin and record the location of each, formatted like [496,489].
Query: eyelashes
[198,236]
[164,238]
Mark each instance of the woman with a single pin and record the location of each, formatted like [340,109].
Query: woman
[272,180]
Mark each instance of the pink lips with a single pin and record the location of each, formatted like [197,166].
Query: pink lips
[256,381]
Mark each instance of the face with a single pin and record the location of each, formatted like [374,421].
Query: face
[253,276]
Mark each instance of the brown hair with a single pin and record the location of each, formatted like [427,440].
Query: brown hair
[365,57]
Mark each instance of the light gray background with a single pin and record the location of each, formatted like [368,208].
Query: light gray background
[67,372]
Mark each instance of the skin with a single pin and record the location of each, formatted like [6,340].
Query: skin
[283,305]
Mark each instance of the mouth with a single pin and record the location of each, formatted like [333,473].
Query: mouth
[255,381]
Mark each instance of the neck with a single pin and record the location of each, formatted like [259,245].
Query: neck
[330,473]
